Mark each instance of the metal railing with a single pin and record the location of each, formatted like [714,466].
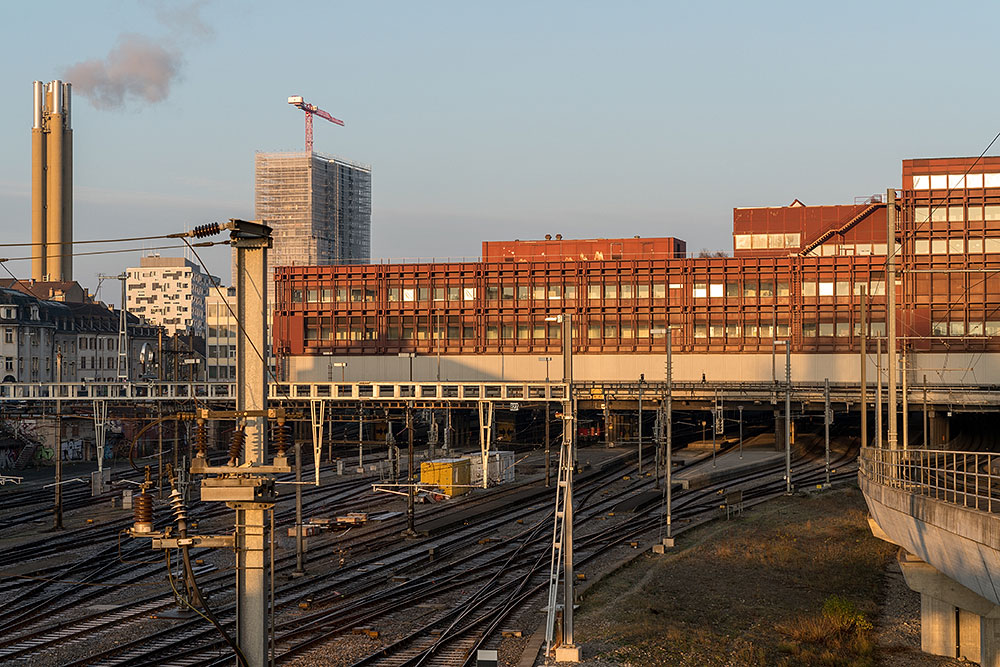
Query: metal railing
[969,479]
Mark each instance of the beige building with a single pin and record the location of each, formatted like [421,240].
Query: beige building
[170,292]
[220,339]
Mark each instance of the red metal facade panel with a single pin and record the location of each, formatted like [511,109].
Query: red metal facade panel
[948,288]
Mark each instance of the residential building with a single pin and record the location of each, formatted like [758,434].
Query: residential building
[318,206]
[170,292]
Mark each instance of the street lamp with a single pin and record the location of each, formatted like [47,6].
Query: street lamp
[669,372]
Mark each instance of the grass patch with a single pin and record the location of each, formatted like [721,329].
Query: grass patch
[792,582]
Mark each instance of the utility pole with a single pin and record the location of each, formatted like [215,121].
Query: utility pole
[878,393]
[826,425]
[890,310]
[925,411]
[58,510]
[361,449]
[410,532]
[670,433]
[906,401]
[864,366]
[547,456]
[299,546]
[741,432]
[642,380]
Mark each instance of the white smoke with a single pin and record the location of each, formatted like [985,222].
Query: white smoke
[140,68]
[136,69]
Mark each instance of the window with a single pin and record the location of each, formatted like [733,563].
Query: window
[700,290]
[993,328]
[741,241]
[716,330]
[715,290]
[312,295]
[409,294]
[825,329]
[750,288]
[296,296]
[975,246]
[593,291]
[506,293]
[992,245]
[826,289]
[593,330]
[538,292]
[492,292]
[732,331]
[393,294]
[660,291]
[732,290]
[956,246]
[956,328]
[522,291]
[922,247]
[611,291]
[809,329]
[766,288]
[439,293]
[570,291]
[700,330]
[555,291]
[809,289]
[424,293]
[782,289]
[454,293]
[843,329]
[642,291]
[626,291]
[469,293]
[843,288]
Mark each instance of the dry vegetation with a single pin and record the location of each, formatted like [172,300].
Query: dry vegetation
[793,582]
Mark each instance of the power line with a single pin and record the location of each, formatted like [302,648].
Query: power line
[175,235]
[203,244]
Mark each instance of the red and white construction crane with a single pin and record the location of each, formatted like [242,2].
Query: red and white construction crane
[311,110]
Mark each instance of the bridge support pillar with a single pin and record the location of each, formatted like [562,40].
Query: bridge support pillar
[954,621]
[939,431]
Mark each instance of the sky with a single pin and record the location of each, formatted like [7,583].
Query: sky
[491,121]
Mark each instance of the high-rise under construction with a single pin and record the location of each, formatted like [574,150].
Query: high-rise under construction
[318,206]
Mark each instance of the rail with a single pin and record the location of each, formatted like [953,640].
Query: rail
[966,478]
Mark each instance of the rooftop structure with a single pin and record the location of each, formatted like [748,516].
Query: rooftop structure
[559,249]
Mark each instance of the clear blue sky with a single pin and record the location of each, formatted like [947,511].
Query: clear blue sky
[504,120]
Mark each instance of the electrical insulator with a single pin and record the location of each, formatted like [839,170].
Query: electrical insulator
[201,438]
[236,445]
[177,505]
[211,229]
[142,508]
[281,438]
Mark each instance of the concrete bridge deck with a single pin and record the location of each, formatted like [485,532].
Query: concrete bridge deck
[943,509]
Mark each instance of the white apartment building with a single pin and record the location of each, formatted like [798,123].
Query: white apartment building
[220,340]
[170,292]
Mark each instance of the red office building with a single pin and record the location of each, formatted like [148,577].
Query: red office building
[797,273]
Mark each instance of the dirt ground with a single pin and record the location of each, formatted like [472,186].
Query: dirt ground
[795,581]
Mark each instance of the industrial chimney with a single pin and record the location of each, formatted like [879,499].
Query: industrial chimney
[51,183]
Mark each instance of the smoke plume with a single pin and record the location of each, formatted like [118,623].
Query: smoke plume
[140,68]
[136,69]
